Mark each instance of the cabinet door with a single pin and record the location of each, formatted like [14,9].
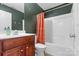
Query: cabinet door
[27,50]
[12,52]
[30,49]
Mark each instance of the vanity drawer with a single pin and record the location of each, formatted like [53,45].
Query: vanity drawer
[14,42]
[30,38]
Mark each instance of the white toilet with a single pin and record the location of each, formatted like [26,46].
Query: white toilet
[40,48]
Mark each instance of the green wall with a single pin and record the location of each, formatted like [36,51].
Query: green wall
[17,17]
[60,11]
[30,12]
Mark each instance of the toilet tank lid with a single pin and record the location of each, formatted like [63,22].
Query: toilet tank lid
[38,45]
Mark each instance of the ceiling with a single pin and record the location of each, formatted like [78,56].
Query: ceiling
[20,6]
[46,6]
[17,6]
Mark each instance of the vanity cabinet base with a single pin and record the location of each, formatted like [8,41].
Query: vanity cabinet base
[21,46]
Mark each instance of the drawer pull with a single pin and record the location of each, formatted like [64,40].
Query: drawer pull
[21,50]
[26,47]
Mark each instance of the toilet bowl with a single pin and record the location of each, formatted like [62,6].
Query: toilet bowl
[40,48]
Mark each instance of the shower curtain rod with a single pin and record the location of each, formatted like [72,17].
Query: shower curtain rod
[60,6]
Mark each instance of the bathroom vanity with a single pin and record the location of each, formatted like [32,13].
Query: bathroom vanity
[17,45]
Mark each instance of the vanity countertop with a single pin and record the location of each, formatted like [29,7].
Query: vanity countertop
[4,36]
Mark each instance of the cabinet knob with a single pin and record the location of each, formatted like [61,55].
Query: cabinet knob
[21,50]
[26,47]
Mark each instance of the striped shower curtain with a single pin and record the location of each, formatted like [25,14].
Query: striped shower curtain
[40,28]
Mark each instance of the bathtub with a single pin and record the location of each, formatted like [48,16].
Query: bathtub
[56,50]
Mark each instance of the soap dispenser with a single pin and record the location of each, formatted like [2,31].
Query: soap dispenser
[8,30]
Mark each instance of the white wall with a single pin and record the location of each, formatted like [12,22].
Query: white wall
[48,30]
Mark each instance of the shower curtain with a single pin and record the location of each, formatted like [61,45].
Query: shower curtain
[40,28]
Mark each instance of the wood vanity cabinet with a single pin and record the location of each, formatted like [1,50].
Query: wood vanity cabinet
[21,46]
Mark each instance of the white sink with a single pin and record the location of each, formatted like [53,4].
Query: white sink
[20,34]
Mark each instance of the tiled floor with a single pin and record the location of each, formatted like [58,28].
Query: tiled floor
[46,54]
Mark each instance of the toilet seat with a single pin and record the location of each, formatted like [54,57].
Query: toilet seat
[39,45]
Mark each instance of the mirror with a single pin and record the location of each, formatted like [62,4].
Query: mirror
[11,16]
[5,20]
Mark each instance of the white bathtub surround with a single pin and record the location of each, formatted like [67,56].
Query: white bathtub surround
[59,34]
[60,30]
[57,50]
